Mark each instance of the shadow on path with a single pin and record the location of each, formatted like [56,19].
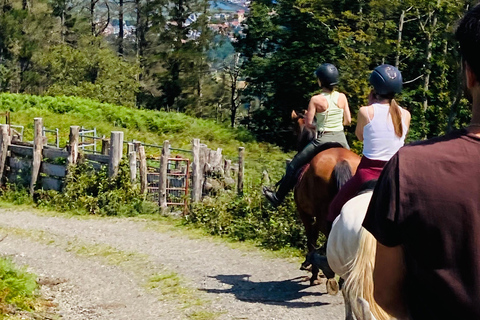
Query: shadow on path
[284,293]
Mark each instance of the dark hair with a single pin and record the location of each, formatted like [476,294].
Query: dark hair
[468,35]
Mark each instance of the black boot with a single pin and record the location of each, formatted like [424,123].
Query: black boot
[286,184]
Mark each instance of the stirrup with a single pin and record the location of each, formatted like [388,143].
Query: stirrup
[270,195]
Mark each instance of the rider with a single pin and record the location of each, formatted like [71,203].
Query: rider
[331,110]
[382,126]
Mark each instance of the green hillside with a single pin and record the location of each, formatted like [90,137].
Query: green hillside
[152,127]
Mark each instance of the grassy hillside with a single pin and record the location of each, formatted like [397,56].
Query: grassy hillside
[148,126]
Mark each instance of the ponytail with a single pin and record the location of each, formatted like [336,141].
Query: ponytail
[396,114]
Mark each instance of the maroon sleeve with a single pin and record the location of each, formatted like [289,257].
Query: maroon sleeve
[382,214]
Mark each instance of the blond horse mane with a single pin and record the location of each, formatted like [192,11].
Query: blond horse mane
[359,282]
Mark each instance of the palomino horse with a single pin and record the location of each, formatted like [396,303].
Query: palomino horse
[319,183]
[351,254]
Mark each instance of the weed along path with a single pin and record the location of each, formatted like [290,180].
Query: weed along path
[138,269]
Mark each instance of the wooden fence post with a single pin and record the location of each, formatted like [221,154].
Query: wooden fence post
[73,144]
[105,146]
[143,167]
[116,153]
[196,171]
[132,160]
[202,161]
[241,161]
[4,143]
[162,182]
[130,147]
[37,152]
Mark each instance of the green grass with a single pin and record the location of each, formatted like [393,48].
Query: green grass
[19,294]
[152,127]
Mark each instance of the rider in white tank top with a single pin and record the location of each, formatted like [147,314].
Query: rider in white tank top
[380,141]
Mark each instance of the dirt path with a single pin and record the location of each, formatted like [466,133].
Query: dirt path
[124,269]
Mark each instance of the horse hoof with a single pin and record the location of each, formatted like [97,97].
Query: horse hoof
[315,282]
[306,266]
[332,287]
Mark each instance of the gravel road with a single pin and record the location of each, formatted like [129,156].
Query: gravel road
[130,269]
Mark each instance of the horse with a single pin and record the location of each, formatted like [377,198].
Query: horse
[318,183]
[351,255]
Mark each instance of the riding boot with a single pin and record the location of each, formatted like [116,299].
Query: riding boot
[286,184]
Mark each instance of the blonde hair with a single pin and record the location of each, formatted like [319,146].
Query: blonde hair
[396,114]
[359,282]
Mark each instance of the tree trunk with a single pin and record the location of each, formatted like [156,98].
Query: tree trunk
[428,67]
[138,28]
[453,109]
[233,104]
[120,27]
[92,18]
[399,38]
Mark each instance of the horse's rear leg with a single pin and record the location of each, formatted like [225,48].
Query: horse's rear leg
[312,232]
[348,307]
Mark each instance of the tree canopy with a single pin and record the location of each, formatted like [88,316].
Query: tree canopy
[172,55]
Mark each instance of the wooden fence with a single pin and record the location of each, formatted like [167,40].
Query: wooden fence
[39,165]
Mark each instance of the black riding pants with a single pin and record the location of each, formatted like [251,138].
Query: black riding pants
[325,141]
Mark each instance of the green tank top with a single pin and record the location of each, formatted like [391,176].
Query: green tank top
[332,119]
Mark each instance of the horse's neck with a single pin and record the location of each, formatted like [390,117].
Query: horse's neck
[306,136]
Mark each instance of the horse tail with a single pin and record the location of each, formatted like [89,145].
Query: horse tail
[359,283]
[342,172]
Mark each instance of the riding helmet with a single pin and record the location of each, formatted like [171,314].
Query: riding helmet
[327,73]
[386,79]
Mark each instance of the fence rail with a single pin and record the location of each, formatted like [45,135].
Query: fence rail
[172,183]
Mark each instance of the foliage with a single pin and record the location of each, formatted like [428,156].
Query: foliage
[250,218]
[145,125]
[93,192]
[18,288]
[16,194]
[90,71]
[286,40]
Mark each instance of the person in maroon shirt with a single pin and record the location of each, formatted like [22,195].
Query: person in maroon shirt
[425,214]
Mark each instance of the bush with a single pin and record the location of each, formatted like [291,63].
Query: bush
[90,191]
[16,194]
[250,218]
[17,288]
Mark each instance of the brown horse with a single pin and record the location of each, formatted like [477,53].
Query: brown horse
[318,184]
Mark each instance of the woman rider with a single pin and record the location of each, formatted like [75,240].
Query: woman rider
[331,110]
[382,126]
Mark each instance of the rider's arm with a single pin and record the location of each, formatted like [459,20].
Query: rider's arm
[347,117]
[362,120]
[314,106]
[389,280]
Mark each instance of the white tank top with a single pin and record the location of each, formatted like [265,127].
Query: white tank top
[379,139]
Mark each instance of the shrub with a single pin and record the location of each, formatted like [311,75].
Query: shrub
[90,191]
[17,288]
[250,218]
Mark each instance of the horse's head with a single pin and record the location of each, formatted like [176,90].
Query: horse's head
[304,134]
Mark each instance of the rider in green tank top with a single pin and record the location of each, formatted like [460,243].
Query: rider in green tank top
[331,109]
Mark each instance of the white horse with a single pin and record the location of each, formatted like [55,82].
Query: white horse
[351,255]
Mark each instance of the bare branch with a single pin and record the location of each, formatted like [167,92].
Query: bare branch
[417,78]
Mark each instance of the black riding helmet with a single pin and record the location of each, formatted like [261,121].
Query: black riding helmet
[386,79]
[327,73]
